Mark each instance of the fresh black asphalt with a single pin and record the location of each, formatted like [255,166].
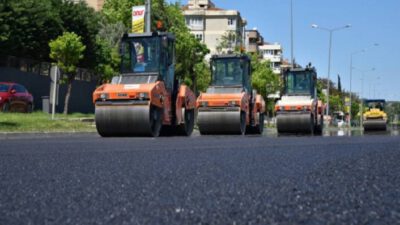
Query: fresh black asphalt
[85,179]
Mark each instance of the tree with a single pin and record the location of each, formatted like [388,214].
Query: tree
[263,79]
[107,60]
[26,27]
[83,21]
[67,50]
[228,42]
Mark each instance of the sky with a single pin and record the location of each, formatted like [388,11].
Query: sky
[372,22]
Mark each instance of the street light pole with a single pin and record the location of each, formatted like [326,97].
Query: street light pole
[330,30]
[148,16]
[362,92]
[351,77]
[291,32]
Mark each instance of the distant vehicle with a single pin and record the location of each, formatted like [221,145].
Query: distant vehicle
[300,110]
[15,98]
[375,117]
[339,119]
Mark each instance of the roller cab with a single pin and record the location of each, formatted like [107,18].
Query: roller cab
[374,119]
[299,110]
[230,106]
[145,97]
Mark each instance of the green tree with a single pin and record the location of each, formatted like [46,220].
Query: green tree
[26,27]
[228,42]
[67,50]
[83,21]
[107,60]
[263,79]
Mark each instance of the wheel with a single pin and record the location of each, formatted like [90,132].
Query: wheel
[6,107]
[312,125]
[260,128]
[29,108]
[257,129]
[242,122]
[318,128]
[186,129]
[155,121]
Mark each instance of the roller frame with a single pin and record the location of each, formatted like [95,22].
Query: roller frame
[295,122]
[125,119]
[220,121]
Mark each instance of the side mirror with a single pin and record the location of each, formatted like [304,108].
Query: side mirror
[13,91]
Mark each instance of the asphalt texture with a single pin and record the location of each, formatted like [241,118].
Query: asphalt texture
[86,179]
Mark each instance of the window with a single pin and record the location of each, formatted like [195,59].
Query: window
[299,83]
[229,72]
[196,21]
[141,55]
[231,22]
[199,37]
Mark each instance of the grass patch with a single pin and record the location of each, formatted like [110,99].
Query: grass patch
[42,122]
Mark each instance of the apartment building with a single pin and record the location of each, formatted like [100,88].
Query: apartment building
[209,23]
[253,40]
[273,53]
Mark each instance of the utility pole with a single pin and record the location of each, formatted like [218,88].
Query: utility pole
[148,16]
[291,32]
[330,30]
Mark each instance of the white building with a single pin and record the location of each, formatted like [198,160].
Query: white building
[272,53]
[209,23]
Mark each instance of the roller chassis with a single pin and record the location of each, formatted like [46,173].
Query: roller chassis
[224,109]
[151,102]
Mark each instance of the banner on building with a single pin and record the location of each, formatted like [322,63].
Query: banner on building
[138,13]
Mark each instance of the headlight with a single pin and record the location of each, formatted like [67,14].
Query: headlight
[104,96]
[232,103]
[143,95]
[204,104]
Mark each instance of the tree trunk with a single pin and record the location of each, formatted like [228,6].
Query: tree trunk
[67,96]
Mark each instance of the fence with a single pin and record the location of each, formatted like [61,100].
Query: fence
[34,75]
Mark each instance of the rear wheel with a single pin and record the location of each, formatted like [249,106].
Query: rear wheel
[187,128]
[155,121]
[260,126]
[242,122]
[319,127]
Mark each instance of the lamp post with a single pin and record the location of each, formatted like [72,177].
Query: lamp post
[148,16]
[330,30]
[291,33]
[351,74]
[362,90]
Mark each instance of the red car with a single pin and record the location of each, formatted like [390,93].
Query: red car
[15,98]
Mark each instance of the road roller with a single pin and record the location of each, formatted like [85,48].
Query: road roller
[374,119]
[146,97]
[230,105]
[299,110]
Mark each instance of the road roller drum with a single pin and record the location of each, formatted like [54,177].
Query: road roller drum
[223,122]
[295,123]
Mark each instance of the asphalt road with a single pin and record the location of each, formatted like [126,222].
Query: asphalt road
[85,179]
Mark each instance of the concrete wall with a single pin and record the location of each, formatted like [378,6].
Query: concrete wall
[39,85]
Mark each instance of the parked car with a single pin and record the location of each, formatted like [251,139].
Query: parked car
[15,98]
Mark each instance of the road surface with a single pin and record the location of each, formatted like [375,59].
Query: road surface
[85,179]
